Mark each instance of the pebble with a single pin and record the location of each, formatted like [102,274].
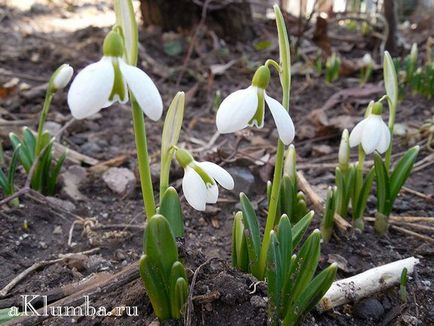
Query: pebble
[71,182]
[243,178]
[52,127]
[258,302]
[65,204]
[58,230]
[90,148]
[120,180]
[410,320]
[370,309]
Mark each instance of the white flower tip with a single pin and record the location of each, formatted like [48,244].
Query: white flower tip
[62,76]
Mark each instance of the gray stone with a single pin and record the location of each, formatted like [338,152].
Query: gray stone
[243,178]
[369,309]
[71,181]
[90,148]
[120,180]
[52,127]
[258,302]
[65,204]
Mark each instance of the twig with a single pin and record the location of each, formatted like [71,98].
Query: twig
[366,283]
[417,227]
[190,295]
[417,193]
[38,265]
[412,233]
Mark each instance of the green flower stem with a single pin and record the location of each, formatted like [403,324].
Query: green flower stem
[285,80]
[48,98]
[392,114]
[165,171]
[143,158]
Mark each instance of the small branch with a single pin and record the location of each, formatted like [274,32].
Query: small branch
[365,284]
[412,233]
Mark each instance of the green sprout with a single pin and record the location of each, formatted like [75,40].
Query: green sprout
[332,66]
[329,214]
[403,295]
[7,178]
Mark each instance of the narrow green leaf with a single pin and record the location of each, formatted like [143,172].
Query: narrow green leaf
[178,289]
[52,180]
[4,183]
[383,193]
[251,227]
[153,280]
[30,141]
[171,209]
[240,257]
[402,171]
[12,168]
[25,157]
[306,264]
[364,193]
[160,245]
[173,123]
[299,229]
[284,236]
[274,277]
[328,219]
[390,79]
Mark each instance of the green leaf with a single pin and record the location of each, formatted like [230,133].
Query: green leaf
[171,209]
[383,193]
[263,45]
[299,229]
[25,157]
[288,198]
[402,171]
[155,286]
[12,168]
[160,245]
[306,264]
[240,257]
[178,289]
[251,232]
[173,123]
[327,221]
[274,276]
[311,295]
[30,141]
[364,194]
[284,236]
[390,79]
[52,180]
[4,183]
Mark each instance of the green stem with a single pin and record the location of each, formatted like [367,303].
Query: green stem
[357,220]
[143,158]
[48,98]
[166,160]
[285,80]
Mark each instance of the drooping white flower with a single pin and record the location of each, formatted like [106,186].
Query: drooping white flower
[372,133]
[62,76]
[245,107]
[101,84]
[367,60]
[200,180]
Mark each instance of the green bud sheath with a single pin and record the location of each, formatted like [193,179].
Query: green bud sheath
[261,78]
[113,46]
[377,108]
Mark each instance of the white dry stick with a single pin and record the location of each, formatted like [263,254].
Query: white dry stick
[365,284]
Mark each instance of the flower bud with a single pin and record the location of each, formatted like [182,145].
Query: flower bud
[377,108]
[62,76]
[344,151]
[261,78]
[290,163]
[413,53]
[113,45]
[367,60]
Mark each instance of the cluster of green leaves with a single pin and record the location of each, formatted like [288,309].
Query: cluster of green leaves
[7,177]
[292,202]
[292,291]
[390,183]
[163,274]
[46,171]
[332,66]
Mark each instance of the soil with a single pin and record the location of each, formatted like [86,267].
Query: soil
[32,47]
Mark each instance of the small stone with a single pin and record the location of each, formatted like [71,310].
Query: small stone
[52,127]
[369,309]
[243,178]
[258,302]
[120,180]
[410,320]
[65,204]
[90,148]
[71,182]
[58,230]
[43,245]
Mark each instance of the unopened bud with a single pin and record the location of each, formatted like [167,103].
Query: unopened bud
[62,76]
[261,78]
[290,163]
[344,150]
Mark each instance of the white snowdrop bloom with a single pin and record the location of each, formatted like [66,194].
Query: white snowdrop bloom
[200,180]
[62,76]
[372,133]
[101,84]
[367,60]
[245,107]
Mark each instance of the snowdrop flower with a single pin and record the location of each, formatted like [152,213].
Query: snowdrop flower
[199,182]
[101,84]
[367,60]
[372,133]
[62,76]
[245,107]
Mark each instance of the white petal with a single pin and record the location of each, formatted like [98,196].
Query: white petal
[384,143]
[356,133]
[237,110]
[284,124]
[144,90]
[218,173]
[372,133]
[212,194]
[90,90]
[194,189]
